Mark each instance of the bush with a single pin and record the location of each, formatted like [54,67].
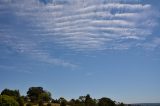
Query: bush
[6,100]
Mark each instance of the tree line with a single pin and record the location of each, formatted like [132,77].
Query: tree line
[37,95]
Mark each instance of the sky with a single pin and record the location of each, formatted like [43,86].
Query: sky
[105,48]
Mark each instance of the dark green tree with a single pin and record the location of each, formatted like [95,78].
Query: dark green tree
[20,100]
[121,104]
[106,102]
[37,94]
[79,103]
[13,93]
[82,98]
[72,102]
[55,101]
[34,92]
[89,101]
[63,102]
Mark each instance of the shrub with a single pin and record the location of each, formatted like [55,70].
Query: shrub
[6,100]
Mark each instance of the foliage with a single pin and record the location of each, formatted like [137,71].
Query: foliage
[34,92]
[89,101]
[46,96]
[62,101]
[14,93]
[20,100]
[121,104]
[55,101]
[6,100]
[40,97]
[83,101]
[38,94]
[106,102]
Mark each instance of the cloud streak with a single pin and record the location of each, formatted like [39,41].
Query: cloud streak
[78,25]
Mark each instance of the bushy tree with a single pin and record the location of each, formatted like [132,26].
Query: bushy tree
[89,101]
[63,102]
[20,100]
[13,93]
[121,104]
[55,101]
[34,92]
[38,94]
[6,100]
[45,97]
[83,101]
[106,102]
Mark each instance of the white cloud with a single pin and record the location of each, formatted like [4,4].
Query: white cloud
[80,25]
[29,47]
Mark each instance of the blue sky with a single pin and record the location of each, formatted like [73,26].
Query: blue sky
[105,48]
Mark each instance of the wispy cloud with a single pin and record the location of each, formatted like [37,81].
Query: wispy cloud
[80,25]
[151,45]
[14,68]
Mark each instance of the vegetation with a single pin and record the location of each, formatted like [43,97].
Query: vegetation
[6,100]
[37,96]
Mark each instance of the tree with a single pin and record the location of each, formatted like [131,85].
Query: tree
[72,102]
[34,92]
[106,102]
[13,93]
[20,100]
[45,97]
[38,94]
[89,101]
[6,100]
[82,98]
[55,101]
[63,102]
[121,104]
